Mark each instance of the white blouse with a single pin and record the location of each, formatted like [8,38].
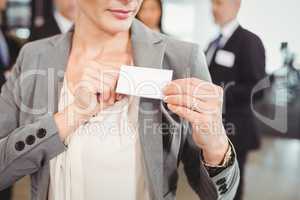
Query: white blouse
[104,158]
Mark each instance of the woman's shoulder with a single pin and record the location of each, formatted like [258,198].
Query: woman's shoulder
[178,46]
[31,51]
[39,45]
[143,33]
[180,52]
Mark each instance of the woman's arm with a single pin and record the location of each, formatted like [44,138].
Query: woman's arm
[23,149]
[222,185]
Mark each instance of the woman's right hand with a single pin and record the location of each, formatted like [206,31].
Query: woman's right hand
[94,92]
[96,89]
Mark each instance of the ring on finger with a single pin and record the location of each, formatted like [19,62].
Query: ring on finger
[194,106]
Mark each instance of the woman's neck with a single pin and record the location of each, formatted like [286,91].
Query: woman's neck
[90,39]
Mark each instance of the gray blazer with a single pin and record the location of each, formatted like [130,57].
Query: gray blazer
[29,136]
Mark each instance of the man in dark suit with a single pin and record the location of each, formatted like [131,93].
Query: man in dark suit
[236,62]
[59,21]
[9,48]
[9,51]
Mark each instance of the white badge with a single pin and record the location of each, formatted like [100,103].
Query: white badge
[225,58]
[143,82]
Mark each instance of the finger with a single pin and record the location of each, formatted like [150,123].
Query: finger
[87,84]
[105,89]
[106,95]
[112,83]
[102,91]
[110,77]
[113,97]
[193,103]
[203,90]
[109,81]
[199,121]
[193,81]
[185,113]
[92,72]
[177,84]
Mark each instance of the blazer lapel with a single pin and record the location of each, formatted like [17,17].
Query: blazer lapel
[233,38]
[148,50]
[53,62]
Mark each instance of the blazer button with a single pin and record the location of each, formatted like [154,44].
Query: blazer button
[223,191]
[19,146]
[41,133]
[221,181]
[30,139]
[223,187]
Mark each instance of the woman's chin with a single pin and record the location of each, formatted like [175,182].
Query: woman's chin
[117,26]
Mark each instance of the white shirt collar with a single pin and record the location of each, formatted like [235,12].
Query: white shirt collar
[228,30]
[63,23]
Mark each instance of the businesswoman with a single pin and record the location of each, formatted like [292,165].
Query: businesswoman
[63,124]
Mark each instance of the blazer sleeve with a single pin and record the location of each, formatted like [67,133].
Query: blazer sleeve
[223,185]
[23,148]
[251,70]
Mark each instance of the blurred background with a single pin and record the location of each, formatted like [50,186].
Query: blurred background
[272,169]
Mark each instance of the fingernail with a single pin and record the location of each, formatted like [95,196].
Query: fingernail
[165,99]
[107,97]
[111,101]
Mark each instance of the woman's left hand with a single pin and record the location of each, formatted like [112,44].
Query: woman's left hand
[200,103]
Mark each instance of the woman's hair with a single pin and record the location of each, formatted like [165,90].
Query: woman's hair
[161,16]
[159,2]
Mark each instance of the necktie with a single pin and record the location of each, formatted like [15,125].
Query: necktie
[214,47]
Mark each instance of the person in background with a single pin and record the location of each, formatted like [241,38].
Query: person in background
[236,62]
[9,49]
[60,21]
[151,14]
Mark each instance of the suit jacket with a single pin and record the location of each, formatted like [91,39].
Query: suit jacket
[28,140]
[248,69]
[2,78]
[13,49]
[48,29]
